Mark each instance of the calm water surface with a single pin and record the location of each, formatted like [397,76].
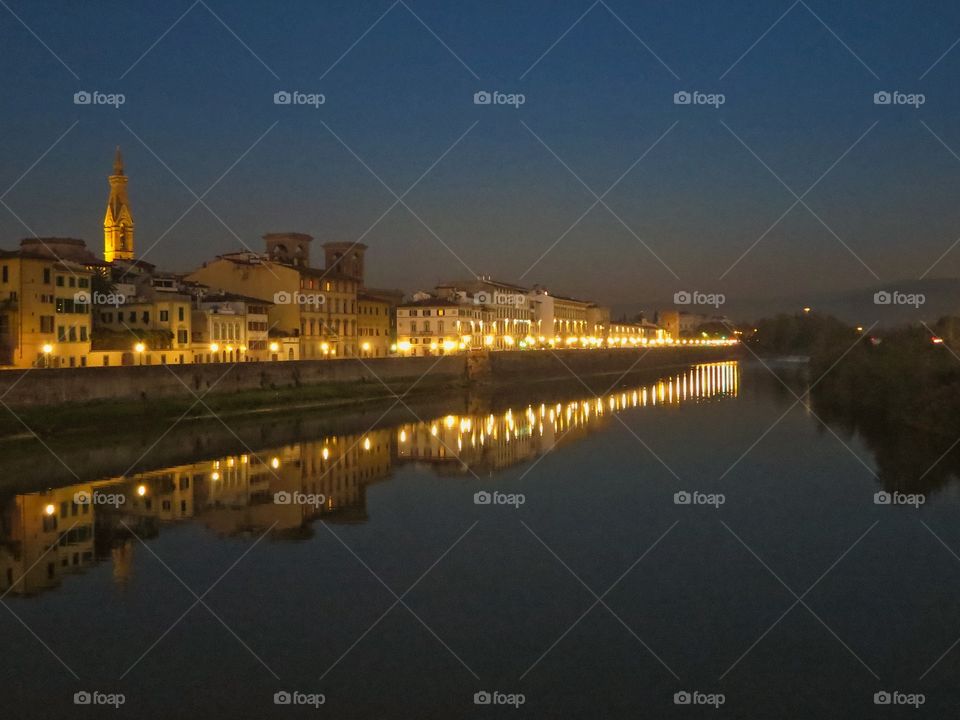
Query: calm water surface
[365,567]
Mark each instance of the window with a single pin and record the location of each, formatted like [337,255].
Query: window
[83,333]
[46,276]
[180,314]
[182,337]
[83,282]
[6,274]
[106,317]
[46,323]
[59,280]
[73,281]
[413,326]
[146,318]
[164,316]
[61,333]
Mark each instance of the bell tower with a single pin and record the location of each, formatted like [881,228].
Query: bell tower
[118,221]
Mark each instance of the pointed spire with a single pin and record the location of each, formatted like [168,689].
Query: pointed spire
[118,162]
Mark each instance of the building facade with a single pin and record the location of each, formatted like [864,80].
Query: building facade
[45,314]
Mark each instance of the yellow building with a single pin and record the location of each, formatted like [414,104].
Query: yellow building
[163,325]
[45,318]
[373,326]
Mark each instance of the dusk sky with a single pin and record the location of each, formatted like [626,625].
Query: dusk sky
[199,104]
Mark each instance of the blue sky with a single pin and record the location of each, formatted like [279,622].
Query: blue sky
[199,104]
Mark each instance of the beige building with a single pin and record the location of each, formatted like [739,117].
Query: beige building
[440,326]
[316,306]
[598,320]
[560,321]
[229,328]
[507,317]
[632,334]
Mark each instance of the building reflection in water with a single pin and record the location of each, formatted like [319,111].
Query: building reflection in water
[47,535]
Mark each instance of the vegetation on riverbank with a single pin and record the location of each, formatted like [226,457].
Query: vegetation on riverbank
[899,390]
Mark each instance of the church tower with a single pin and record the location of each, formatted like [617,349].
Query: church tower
[118,222]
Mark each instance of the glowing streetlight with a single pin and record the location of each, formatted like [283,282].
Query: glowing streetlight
[274,347]
[50,509]
[47,349]
[138,349]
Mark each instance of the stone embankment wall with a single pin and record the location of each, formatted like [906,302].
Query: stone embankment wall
[19,388]
[50,387]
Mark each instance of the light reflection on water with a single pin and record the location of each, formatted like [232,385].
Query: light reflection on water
[47,535]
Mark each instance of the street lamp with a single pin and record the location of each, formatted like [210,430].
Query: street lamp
[47,349]
[139,348]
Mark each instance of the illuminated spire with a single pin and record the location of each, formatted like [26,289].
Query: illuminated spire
[118,220]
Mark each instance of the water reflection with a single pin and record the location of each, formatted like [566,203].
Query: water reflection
[47,535]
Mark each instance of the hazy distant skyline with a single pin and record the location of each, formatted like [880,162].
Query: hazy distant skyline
[199,103]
